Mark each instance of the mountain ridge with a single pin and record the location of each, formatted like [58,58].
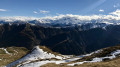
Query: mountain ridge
[62,40]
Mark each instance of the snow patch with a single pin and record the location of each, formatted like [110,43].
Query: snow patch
[98,51]
[5,50]
[113,55]
[36,54]
[40,63]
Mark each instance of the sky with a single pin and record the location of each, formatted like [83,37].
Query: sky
[41,8]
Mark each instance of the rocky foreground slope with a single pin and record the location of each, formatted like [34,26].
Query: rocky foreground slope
[38,57]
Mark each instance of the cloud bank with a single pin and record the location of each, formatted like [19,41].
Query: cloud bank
[117,13]
[113,17]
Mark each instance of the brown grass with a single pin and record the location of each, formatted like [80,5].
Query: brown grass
[15,53]
[2,51]
[103,53]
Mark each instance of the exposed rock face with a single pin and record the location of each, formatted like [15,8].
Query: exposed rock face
[63,40]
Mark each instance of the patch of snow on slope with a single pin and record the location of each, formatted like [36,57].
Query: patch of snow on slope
[72,59]
[5,50]
[113,55]
[40,63]
[98,51]
[36,54]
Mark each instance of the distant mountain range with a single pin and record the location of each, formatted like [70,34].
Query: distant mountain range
[66,34]
[63,21]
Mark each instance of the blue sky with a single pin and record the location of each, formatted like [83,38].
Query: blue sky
[40,8]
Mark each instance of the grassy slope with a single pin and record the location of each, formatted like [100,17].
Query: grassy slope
[107,63]
[15,53]
[112,63]
[22,51]
[103,53]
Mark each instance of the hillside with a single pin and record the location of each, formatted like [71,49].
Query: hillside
[62,40]
[38,57]
[35,55]
[10,54]
[112,63]
[107,62]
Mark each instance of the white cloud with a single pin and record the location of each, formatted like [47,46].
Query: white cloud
[18,18]
[41,12]
[117,12]
[35,12]
[72,18]
[3,10]
[44,11]
[101,10]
